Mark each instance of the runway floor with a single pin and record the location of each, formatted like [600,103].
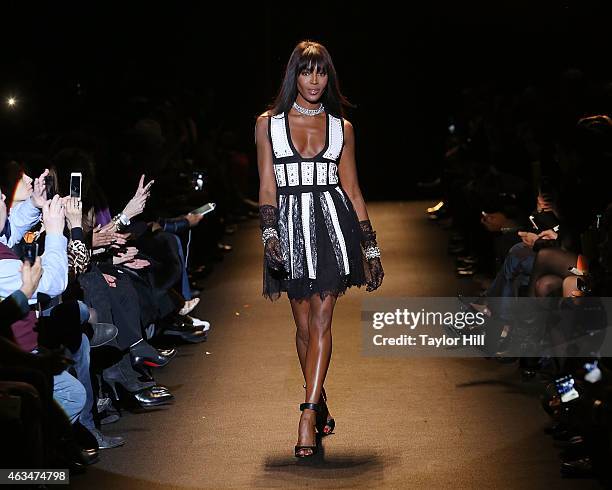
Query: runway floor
[401,422]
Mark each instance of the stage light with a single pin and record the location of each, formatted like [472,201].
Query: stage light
[11,101]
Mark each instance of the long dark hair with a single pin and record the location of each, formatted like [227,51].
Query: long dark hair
[306,56]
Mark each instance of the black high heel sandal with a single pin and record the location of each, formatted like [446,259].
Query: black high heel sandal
[322,421]
[330,424]
[298,448]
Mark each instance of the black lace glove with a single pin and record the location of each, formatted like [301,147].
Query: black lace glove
[268,222]
[375,269]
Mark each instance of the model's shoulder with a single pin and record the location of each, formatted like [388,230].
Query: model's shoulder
[263,118]
[348,126]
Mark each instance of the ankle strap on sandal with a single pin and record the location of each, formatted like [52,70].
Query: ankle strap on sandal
[311,406]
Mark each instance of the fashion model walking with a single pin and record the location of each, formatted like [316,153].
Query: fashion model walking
[318,239]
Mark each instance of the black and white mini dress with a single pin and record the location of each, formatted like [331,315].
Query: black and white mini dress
[318,227]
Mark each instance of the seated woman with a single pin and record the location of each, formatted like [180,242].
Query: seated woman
[153,279]
[114,301]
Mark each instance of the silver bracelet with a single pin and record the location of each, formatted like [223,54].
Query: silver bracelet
[267,234]
[372,252]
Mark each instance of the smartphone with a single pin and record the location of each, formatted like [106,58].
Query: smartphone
[510,230]
[207,208]
[198,180]
[75,184]
[30,252]
[50,187]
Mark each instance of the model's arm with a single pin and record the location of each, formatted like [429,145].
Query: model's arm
[347,171]
[268,212]
[267,181]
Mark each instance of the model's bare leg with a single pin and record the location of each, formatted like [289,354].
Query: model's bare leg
[301,314]
[318,355]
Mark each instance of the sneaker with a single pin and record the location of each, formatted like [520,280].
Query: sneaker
[107,442]
[201,324]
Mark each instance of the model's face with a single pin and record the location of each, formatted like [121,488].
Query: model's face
[24,189]
[311,84]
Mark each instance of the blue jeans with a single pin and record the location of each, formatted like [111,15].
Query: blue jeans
[517,265]
[70,394]
[81,366]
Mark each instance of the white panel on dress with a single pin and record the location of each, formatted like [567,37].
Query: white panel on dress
[290,229]
[279,171]
[282,229]
[321,173]
[280,140]
[335,138]
[306,204]
[333,173]
[307,173]
[334,217]
[342,195]
[292,174]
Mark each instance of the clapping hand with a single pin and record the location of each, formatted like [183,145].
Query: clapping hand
[54,216]
[74,211]
[137,264]
[127,256]
[39,194]
[103,236]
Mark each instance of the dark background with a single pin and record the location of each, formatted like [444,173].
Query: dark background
[404,67]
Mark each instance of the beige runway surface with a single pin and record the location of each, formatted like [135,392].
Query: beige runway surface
[401,422]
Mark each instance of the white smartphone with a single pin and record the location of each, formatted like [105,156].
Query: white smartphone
[75,184]
[207,208]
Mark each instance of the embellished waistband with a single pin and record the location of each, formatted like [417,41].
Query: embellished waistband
[299,189]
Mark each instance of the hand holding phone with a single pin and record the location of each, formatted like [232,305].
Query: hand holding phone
[31,272]
[207,208]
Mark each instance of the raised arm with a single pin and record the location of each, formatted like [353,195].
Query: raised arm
[22,218]
[347,171]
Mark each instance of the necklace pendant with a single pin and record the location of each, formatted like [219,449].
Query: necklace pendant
[308,112]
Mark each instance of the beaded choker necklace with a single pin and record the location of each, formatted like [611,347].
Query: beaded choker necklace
[308,112]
